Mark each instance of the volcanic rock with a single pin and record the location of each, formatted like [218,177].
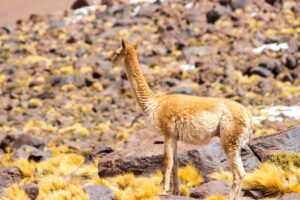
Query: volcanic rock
[267,145]
[212,16]
[216,187]
[141,160]
[32,190]
[97,192]
[9,175]
[26,139]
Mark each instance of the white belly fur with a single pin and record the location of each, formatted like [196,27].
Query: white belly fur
[198,129]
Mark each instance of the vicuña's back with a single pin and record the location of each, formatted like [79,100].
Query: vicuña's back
[191,119]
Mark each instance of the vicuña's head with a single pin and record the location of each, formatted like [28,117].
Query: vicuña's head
[127,51]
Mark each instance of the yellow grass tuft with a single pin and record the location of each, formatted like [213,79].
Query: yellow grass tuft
[215,197]
[89,171]
[222,175]
[14,192]
[285,160]
[273,180]
[27,168]
[184,190]
[190,176]
[53,176]
[35,102]
[129,187]
[53,187]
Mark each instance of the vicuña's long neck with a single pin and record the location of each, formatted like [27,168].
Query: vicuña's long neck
[138,83]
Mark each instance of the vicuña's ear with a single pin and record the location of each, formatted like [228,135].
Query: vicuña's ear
[123,44]
[137,44]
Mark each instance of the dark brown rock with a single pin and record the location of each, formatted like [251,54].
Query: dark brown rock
[79,4]
[101,151]
[6,140]
[32,190]
[224,2]
[31,153]
[272,2]
[26,139]
[291,62]
[216,187]
[9,175]
[287,140]
[5,180]
[212,16]
[141,160]
[287,77]
[256,194]
[96,192]
[261,71]
[271,64]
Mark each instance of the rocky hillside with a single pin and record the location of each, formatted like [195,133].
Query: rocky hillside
[64,106]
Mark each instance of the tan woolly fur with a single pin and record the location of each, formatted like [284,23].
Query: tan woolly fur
[190,119]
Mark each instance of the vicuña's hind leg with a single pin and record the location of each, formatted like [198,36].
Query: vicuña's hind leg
[169,145]
[175,170]
[235,160]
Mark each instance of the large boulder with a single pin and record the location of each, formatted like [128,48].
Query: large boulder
[268,145]
[148,158]
[145,159]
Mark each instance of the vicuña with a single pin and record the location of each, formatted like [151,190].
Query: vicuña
[190,119]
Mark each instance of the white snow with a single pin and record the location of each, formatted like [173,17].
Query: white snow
[278,113]
[272,47]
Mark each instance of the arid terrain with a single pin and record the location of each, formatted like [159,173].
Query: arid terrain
[70,127]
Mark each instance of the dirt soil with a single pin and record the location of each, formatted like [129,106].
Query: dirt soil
[13,10]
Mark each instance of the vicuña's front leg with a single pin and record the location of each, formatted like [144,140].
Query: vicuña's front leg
[169,146]
[175,170]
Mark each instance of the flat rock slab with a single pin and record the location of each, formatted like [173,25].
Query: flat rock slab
[209,158]
[147,159]
[288,141]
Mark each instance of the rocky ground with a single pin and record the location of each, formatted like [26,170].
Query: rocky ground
[64,106]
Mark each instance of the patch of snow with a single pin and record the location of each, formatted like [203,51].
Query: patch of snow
[189,5]
[272,47]
[277,113]
[85,10]
[253,14]
[79,14]
[187,67]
